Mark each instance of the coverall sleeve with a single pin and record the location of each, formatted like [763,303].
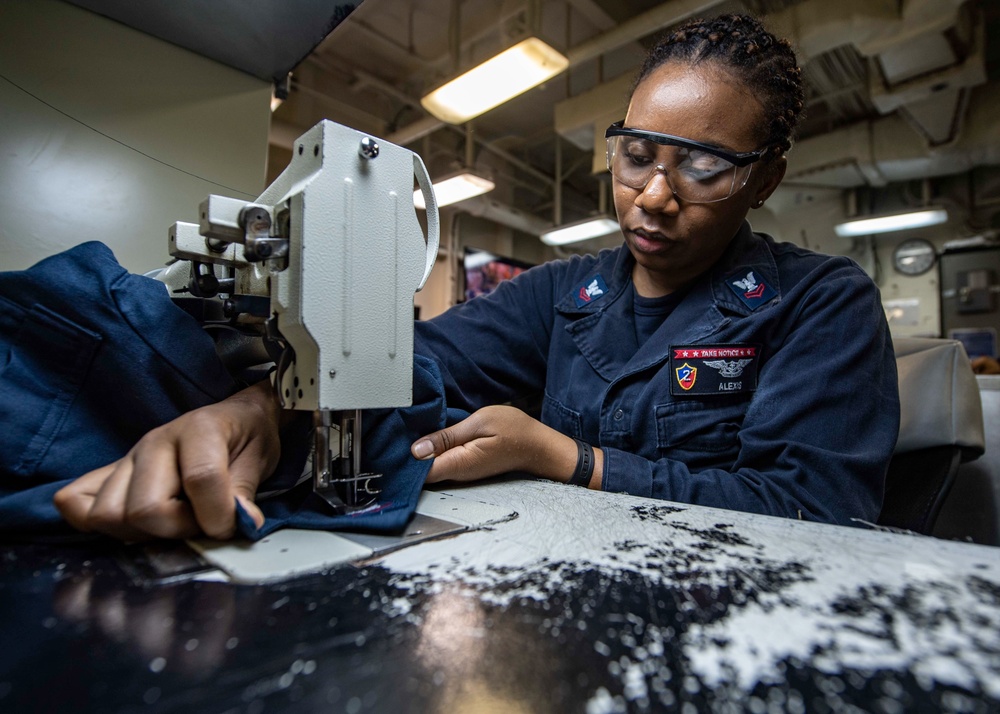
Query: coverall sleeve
[820,429]
[493,348]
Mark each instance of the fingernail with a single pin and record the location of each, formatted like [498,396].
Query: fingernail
[423,449]
[251,508]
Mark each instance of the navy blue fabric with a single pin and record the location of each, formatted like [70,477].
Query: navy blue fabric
[387,435]
[93,357]
[812,441]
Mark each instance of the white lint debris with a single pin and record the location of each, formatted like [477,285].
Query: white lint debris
[738,596]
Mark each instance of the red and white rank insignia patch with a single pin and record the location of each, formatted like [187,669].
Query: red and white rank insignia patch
[751,289]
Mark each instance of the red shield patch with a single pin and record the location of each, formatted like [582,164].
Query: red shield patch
[686,374]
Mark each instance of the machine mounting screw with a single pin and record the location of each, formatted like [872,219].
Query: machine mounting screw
[333,373]
[368,148]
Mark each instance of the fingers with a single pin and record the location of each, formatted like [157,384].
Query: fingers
[441,441]
[251,508]
[204,469]
[75,500]
[465,462]
[107,513]
[126,501]
[496,440]
[95,502]
[153,503]
[484,444]
[177,482]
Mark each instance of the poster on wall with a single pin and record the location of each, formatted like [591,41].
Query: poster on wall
[902,313]
[484,271]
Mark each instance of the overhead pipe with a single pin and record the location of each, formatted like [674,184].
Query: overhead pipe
[493,210]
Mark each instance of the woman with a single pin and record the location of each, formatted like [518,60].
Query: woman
[708,364]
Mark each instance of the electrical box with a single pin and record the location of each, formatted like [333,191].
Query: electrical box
[970,283]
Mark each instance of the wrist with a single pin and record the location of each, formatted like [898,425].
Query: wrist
[597,480]
[553,455]
[584,470]
[262,398]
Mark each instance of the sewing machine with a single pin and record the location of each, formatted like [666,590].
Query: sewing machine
[318,276]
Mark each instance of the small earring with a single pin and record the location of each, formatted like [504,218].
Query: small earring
[758,204]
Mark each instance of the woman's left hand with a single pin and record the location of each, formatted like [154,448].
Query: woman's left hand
[495,440]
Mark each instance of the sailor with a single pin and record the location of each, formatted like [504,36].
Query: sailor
[700,362]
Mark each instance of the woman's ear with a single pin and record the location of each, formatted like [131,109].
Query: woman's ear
[772,174]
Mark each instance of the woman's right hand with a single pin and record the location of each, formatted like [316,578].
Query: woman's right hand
[182,479]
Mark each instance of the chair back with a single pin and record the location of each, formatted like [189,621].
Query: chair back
[941,426]
[972,509]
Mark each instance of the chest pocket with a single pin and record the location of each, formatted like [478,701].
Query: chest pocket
[45,360]
[561,418]
[701,433]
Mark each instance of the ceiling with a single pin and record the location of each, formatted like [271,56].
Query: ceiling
[897,90]
[264,38]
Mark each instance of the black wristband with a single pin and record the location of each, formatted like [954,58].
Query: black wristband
[584,464]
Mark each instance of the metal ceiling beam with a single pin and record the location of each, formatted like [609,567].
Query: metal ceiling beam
[665,15]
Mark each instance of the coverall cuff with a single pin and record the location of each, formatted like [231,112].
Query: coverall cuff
[628,473]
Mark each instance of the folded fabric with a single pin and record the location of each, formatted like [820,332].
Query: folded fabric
[387,435]
[93,357]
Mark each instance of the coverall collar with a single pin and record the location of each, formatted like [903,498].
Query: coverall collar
[605,330]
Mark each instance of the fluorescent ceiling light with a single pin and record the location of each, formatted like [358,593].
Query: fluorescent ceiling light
[581,230]
[455,188]
[279,91]
[513,71]
[897,222]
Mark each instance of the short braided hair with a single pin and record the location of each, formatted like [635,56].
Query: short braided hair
[765,64]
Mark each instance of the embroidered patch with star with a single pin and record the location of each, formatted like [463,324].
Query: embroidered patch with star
[714,369]
[751,289]
[589,291]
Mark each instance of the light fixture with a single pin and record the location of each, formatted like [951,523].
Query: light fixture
[581,230]
[896,222]
[279,91]
[455,188]
[513,71]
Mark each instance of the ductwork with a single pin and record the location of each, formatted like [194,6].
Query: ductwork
[889,149]
[490,209]
[911,47]
[936,122]
[874,27]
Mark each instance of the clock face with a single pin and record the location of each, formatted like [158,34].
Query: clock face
[914,257]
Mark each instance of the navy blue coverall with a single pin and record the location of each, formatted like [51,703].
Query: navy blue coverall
[770,388]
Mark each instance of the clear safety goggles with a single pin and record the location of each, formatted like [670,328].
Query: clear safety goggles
[695,172]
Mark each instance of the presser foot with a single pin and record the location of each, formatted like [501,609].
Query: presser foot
[350,494]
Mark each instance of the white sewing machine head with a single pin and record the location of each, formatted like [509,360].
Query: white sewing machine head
[323,266]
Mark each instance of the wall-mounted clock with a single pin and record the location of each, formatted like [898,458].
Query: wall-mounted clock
[914,256]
